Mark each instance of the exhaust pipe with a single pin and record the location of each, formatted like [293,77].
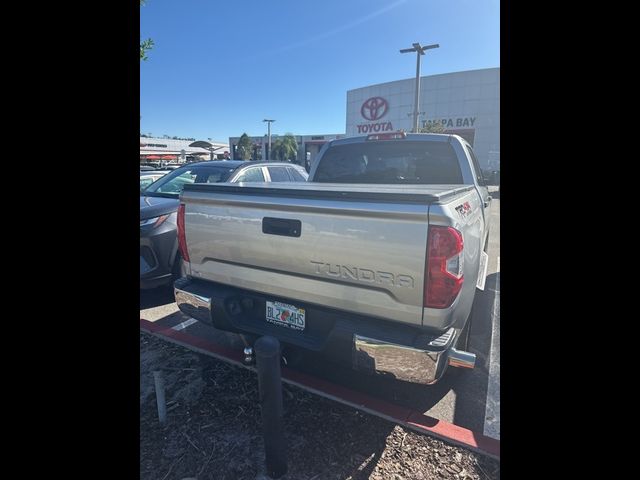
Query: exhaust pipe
[460,359]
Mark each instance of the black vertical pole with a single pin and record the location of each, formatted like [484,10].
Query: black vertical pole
[267,351]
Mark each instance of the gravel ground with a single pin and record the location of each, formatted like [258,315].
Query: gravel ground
[213,430]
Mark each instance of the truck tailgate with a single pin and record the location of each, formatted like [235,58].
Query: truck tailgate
[333,245]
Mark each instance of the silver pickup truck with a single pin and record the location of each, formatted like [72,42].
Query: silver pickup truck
[374,262]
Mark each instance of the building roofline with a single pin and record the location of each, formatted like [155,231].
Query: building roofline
[294,134]
[421,77]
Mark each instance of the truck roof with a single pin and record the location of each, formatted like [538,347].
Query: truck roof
[430,137]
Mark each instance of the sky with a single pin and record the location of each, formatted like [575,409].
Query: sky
[218,68]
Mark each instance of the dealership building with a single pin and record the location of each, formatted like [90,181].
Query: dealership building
[177,150]
[465,103]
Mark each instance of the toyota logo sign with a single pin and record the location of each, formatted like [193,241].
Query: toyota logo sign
[374,108]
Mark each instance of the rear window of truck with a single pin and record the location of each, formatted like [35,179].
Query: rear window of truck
[390,162]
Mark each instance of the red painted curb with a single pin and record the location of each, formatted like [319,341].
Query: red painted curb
[150,327]
[460,435]
[406,417]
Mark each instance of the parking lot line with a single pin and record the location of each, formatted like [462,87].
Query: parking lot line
[492,409]
[185,324]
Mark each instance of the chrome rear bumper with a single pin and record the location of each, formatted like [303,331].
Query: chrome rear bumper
[424,364]
[416,365]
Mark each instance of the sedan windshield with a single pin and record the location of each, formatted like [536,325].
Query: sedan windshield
[171,184]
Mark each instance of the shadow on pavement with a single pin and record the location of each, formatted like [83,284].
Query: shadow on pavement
[156,297]
[471,385]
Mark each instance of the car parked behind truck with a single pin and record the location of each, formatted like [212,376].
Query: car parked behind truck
[160,261]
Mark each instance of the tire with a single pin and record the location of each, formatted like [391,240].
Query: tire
[465,333]
[176,269]
[462,343]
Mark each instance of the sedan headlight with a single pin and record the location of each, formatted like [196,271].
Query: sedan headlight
[155,221]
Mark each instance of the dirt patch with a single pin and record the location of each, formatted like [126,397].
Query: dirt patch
[213,430]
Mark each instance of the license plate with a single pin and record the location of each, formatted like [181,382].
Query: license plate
[285,315]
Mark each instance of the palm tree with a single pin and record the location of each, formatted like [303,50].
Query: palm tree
[245,148]
[432,127]
[285,148]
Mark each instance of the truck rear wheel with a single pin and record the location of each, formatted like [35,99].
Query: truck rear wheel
[177,268]
[462,343]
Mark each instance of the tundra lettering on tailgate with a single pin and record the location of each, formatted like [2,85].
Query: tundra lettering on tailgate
[349,272]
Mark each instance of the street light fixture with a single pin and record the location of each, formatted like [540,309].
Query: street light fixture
[269,141]
[420,51]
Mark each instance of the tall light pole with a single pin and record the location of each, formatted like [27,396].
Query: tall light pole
[420,51]
[269,141]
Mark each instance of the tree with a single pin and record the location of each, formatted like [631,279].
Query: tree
[276,150]
[145,45]
[245,147]
[284,148]
[432,127]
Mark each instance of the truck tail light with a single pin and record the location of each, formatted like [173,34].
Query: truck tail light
[182,238]
[443,273]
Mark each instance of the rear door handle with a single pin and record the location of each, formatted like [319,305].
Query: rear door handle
[281,226]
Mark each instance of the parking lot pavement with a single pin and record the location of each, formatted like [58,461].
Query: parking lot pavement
[467,398]
[157,304]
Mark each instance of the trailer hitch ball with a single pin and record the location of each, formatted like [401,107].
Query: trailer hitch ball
[249,359]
